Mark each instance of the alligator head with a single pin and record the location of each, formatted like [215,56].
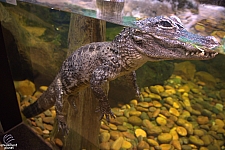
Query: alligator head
[162,38]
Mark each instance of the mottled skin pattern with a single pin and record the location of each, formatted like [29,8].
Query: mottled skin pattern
[95,64]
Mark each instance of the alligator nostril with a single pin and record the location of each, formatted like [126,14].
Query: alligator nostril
[212,39]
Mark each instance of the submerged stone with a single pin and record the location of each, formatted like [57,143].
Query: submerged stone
[134,120]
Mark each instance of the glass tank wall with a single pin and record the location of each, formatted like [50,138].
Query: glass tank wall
[181,104]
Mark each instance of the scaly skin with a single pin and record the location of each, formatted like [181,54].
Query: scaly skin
[95,64]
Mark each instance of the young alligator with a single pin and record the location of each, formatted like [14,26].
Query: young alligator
[95,64]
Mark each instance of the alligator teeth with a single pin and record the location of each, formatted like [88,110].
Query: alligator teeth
[192,53]
[187,53]
[202,53]
[212,55]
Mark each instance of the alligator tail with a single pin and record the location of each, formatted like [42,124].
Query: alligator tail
[33,110]
[43,103]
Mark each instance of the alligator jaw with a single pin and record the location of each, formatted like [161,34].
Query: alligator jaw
[202,52]
[163,38]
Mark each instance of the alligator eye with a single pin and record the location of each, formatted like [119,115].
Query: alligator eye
[165,24]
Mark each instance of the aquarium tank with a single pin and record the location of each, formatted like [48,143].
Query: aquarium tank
[73,65]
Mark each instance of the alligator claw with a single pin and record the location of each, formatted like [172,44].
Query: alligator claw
[138,94]
[107,116]
[62,126]
[105,110]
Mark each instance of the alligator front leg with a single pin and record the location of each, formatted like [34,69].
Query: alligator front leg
[133,82]
[61,118]
[98,80]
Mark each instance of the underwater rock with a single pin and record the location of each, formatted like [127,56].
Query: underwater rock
[126,145]
[25,87]
[35,31]
[219,106]
[146,89]
[220,34]
[37,130]
[222,94]
[214,67]
[48,127]
[157,104]
[195,90]
[186,72]
[129,135]
[117,112]
[117,143]
[207,139]
[202,120]
[174,111]
[134,120]
[186,147]
[176,144]
[48,113]
[185,114]
[49,120]
[220,123]
[206,78]
[152,142]
[43,88]
[45,131]
[152,109]
[169,100]
[122,128]
[144,115]
[115,135]
[104,137]
[199,28]
[143,104]
[104,146]
[170,91]
[39,123]
[58,142]
[147,124]
[142,145]
[134,113]
[195,140]
[53,112]
[161,121]
[181,131]
[166,146]
[134,102]
[118,120]
[140,132]
[184,123]
[157,89]
[105,127]
[154,131]
[156,113]
[164,138]
[176,105]
[199,132]
[112,127]
[155,96]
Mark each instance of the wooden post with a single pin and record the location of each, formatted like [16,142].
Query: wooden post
[83,122]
